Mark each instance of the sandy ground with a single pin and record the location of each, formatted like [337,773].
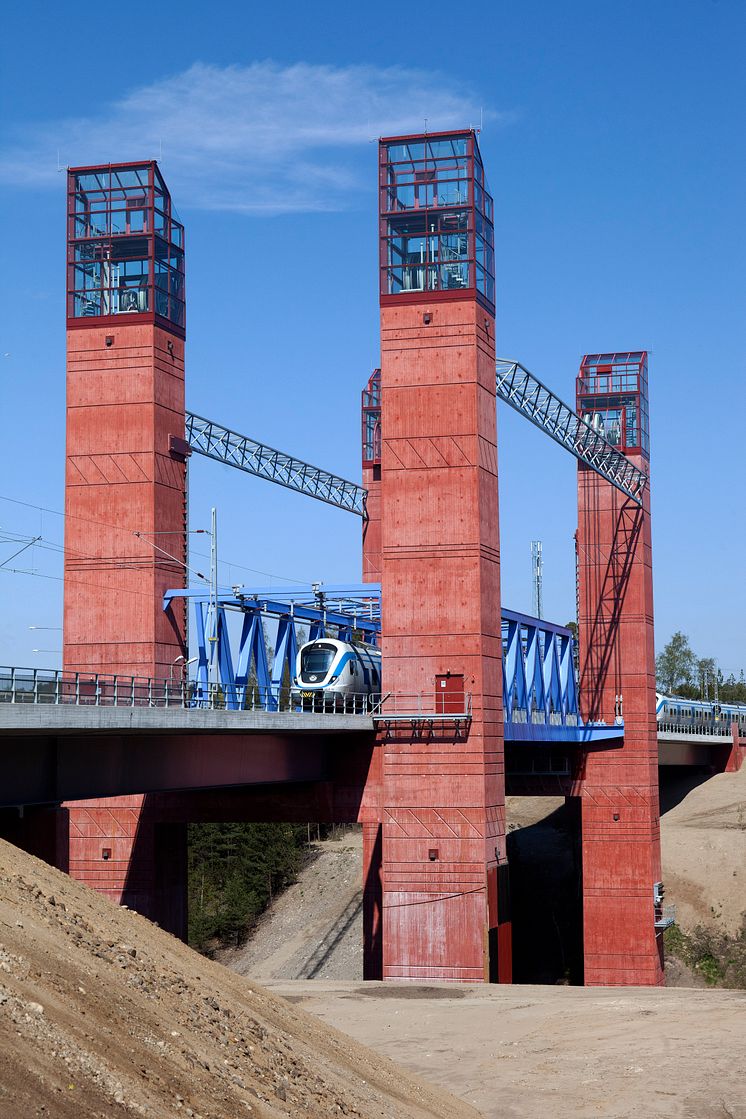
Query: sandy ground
[557,1052]
[703,842]
[314,930]
[104,1015]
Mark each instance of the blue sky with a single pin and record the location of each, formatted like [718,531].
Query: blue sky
[611,142]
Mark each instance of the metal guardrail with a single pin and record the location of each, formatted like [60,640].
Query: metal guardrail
[423,707]
[45,686]
[721,729]
[665,916]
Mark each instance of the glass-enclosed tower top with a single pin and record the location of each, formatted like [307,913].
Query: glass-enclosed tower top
[436,220]
[125,248]
[612,394]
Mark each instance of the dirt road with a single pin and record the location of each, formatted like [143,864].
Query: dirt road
[559,1052]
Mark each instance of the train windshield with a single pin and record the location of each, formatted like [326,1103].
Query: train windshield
[317,659]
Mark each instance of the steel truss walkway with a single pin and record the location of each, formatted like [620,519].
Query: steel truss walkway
[220,443]
[514,384]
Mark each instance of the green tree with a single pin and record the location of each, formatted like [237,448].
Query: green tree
[234,871]
[707,674]
[675,665]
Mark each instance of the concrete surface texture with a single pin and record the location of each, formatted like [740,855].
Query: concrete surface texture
[619,788]
[68,717]
[125,399]
[443,800]
[565,1052]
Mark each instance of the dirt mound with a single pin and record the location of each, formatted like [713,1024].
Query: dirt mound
[703,844]
[102,1014]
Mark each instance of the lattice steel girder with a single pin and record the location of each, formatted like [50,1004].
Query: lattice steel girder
[525,392]
[220,443]
[538,671]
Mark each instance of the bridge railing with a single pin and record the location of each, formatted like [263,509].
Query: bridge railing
[721,729]
[95,689]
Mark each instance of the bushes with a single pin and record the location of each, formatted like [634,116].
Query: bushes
[234,871]
[720,959]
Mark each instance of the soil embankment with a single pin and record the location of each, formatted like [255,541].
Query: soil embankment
[703,840]
[104,1015]
[314,929]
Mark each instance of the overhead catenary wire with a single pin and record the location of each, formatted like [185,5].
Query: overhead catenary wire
[105,524]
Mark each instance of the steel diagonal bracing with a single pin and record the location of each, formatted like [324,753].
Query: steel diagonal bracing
[526,393]
[220,443]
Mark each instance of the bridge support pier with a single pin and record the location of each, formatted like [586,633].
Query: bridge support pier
[443,784]
[120,849]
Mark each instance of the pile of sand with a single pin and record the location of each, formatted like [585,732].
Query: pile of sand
[703,844]
[103,1014]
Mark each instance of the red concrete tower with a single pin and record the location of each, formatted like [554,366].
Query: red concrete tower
[125,481]
[619,791]
[442,789]
[125,402]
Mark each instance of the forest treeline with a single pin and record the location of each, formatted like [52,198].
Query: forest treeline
[234,872]
[679,671]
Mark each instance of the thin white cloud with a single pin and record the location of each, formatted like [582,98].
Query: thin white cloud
[262,138]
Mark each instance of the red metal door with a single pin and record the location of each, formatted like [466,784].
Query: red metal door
[449,694]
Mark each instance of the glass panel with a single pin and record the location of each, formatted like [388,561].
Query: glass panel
[86,304]
[161,303]
[397,152]
[317,659]
[133,177]
[454,147]
[176,311]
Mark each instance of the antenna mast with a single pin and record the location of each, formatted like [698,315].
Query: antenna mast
[537,572]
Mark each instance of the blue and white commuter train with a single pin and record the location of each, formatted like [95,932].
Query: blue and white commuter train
[699,716]
[337,674]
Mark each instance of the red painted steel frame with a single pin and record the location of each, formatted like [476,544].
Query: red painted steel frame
[619,788]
